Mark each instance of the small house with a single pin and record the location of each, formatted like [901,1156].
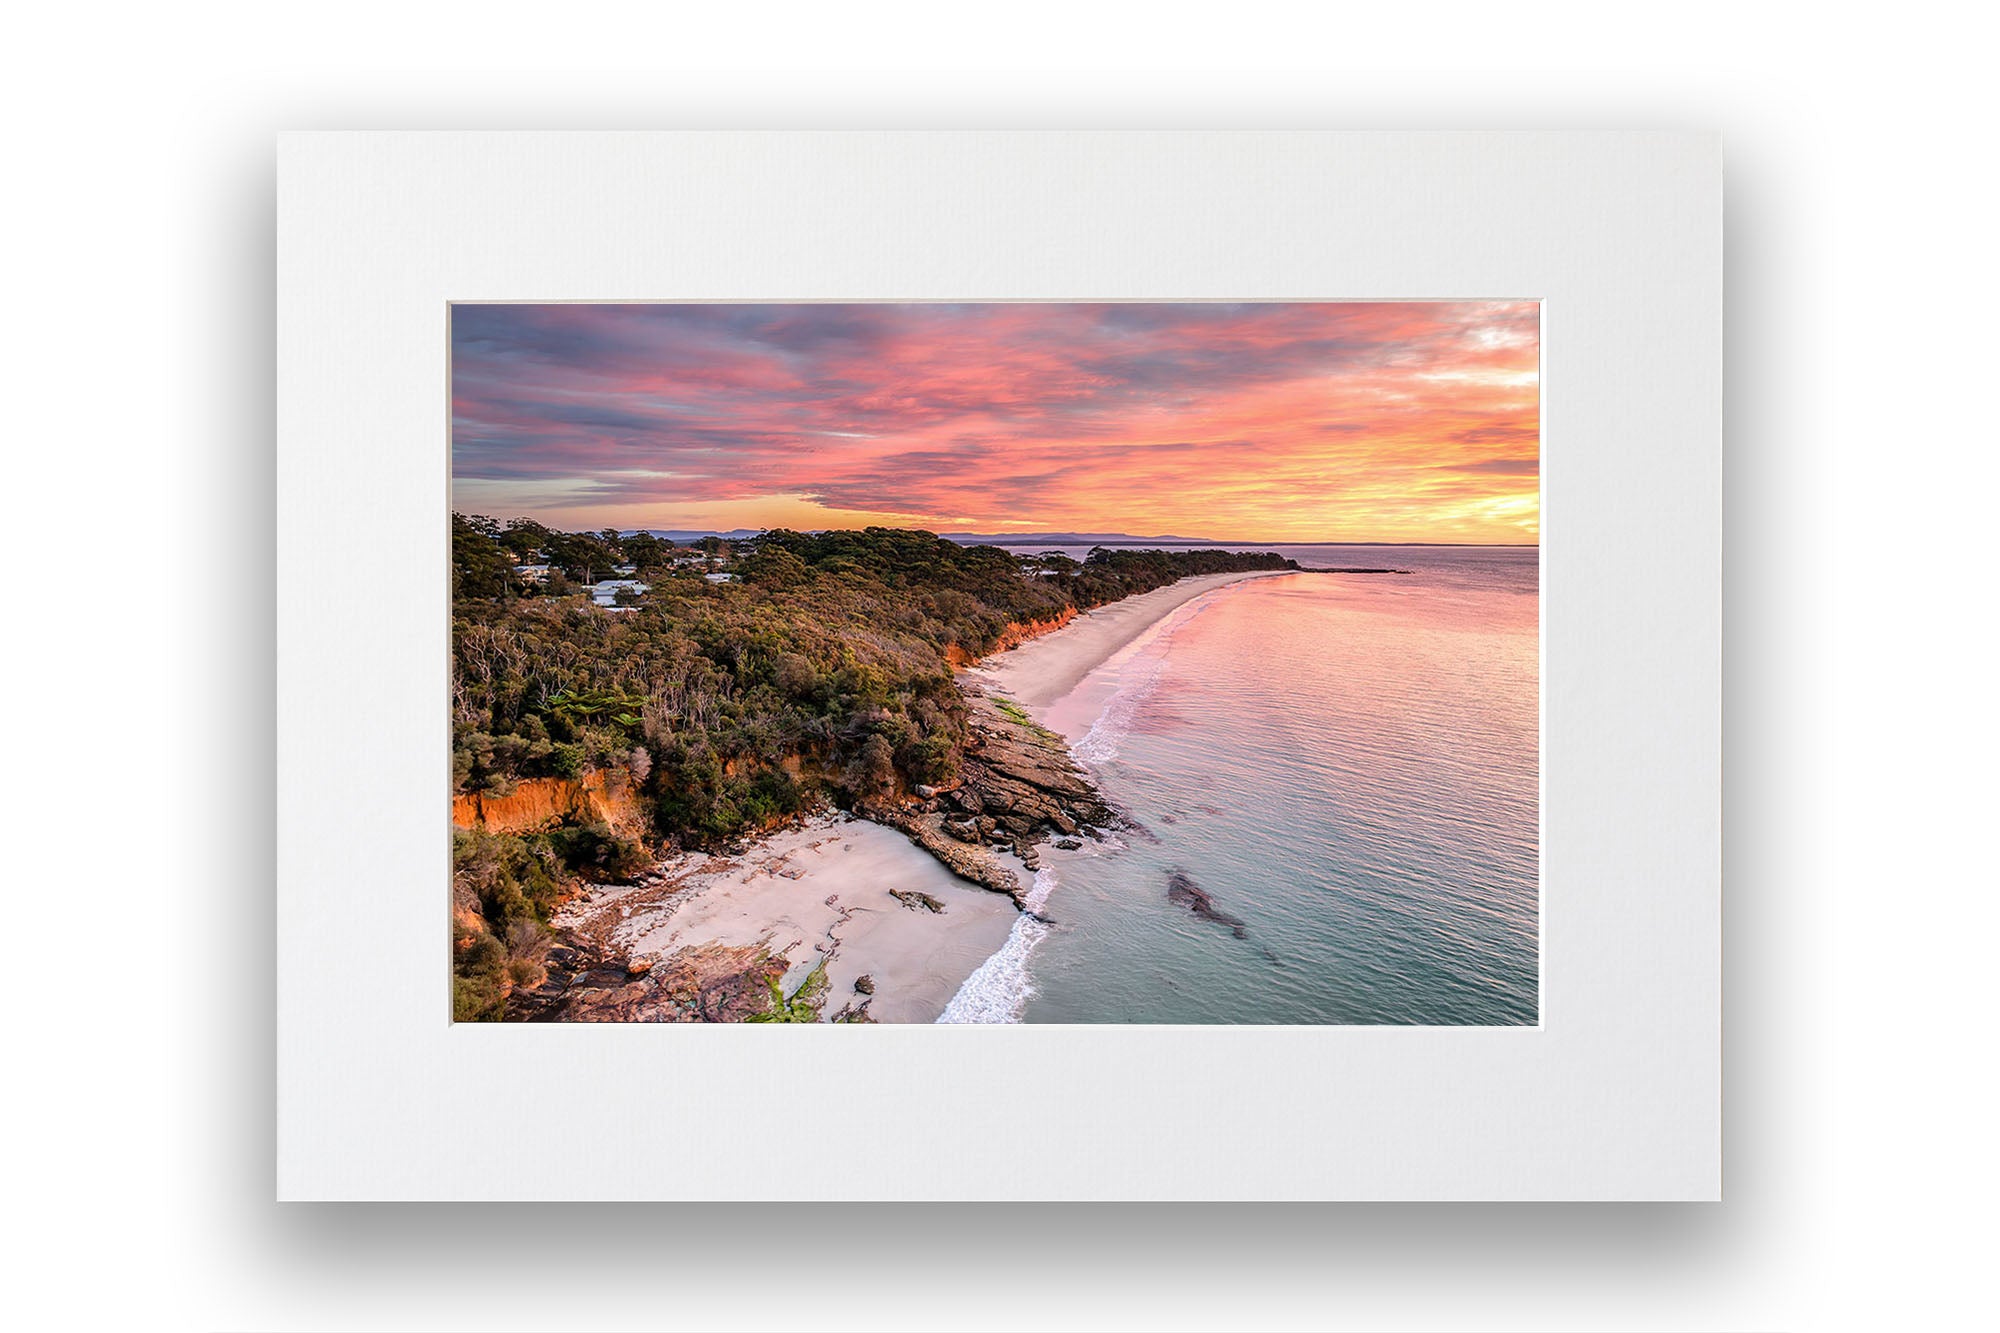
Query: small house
[605,594]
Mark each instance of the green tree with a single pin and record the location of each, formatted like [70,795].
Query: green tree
[647,552]
[479,565]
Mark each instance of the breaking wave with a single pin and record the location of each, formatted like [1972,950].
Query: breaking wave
[1100,744]
[1000,990]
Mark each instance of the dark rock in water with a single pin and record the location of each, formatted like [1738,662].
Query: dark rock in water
[1068,844]
[865,984]
[1182,891]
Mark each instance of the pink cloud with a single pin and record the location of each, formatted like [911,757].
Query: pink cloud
[1251,420]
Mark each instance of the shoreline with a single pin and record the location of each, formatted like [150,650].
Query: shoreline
[1048,677]
[1043,670]
[838,899]
[835,894]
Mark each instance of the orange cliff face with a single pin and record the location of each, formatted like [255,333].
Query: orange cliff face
[598,797]
[1016,633]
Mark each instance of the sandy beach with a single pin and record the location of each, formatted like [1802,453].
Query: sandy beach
[1043,670]
[820,891]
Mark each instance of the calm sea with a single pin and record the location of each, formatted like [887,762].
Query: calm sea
[1346,765]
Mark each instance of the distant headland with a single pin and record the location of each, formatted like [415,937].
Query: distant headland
[683,536]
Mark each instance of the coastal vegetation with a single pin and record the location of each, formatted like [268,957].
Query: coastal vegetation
[503,888]
[802,1005]
[747,682]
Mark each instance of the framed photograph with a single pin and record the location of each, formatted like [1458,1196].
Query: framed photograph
[746,726]
[1066,666]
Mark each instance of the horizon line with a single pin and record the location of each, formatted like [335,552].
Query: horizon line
[1121,539]
[1113,539]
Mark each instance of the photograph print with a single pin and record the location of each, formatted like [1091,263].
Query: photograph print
[1166,663]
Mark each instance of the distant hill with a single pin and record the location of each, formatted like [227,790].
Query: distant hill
[1066,539]
[682,537]
[685,535]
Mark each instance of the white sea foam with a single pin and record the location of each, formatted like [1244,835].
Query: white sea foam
[1114,724]
[1000,990]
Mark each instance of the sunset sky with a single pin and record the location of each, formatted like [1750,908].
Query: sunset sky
[1294,422]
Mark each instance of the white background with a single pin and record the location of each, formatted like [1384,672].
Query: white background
[1614,1098]
[1859,722]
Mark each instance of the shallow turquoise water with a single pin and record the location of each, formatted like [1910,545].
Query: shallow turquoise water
[1347,764]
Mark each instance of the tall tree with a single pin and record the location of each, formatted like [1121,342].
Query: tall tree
[479,566]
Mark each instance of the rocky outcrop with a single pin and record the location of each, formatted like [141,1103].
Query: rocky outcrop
[1352,569]
[852,1012]
[972,863]
[1019,779]
[1018,788]
[711,983]
[600,796]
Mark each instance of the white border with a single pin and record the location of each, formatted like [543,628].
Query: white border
[1615,1096]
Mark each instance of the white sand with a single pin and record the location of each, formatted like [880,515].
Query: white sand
[1043,670]
[820,891]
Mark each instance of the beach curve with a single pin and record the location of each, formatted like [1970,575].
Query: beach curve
[1043,670]
[822,894]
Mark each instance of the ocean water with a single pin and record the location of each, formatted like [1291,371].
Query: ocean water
[1345,765]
